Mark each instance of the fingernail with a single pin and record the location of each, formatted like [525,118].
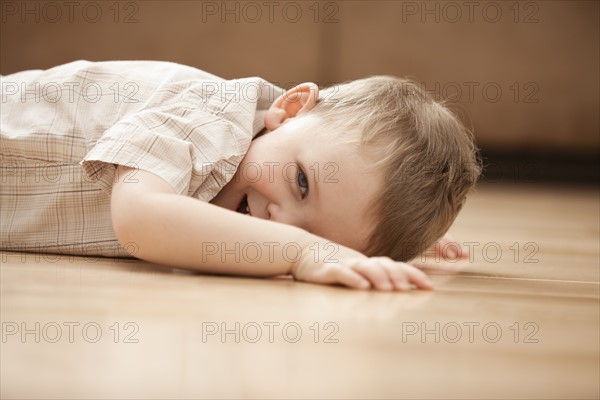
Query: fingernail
[364,285]
[387,286]
[404,286]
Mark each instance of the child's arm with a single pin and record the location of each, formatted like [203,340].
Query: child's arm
[180,231]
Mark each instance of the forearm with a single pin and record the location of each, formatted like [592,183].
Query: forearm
[184,232]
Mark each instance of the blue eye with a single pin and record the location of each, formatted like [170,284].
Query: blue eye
[302,182]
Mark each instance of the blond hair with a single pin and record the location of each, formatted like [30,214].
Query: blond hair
[429,158]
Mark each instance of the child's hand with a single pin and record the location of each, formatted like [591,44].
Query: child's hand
[353,269]
[448,248]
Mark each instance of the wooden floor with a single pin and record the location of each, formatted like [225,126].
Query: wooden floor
[523,323]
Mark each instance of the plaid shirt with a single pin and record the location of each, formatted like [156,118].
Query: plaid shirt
[64,130]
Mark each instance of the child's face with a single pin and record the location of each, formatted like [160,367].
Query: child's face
[293,176]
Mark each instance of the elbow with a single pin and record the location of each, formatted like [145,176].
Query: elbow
[125,234]
[125,238]
[125,224]
[133,212]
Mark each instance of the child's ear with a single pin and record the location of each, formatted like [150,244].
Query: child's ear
[292,103]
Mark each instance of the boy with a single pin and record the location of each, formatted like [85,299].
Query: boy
[110,159]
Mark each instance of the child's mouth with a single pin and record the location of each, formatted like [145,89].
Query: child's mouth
[243,207]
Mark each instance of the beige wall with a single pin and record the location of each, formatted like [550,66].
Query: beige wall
[542,56]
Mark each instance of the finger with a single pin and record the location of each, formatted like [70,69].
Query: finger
[373,270]
[464,252]
[416,276]
[403,275]
[397,276]
[452,248]
[347,277]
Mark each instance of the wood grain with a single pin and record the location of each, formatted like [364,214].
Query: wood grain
[502,329]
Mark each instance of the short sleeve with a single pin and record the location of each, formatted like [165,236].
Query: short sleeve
[188,145]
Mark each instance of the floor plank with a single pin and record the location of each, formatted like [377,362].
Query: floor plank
[500,329]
